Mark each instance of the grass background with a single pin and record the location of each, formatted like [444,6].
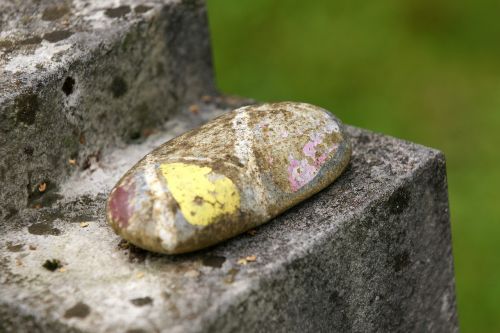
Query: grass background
[423,70]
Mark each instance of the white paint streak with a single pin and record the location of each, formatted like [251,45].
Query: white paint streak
[243,134]
[332,126]
[243,149]
[163,216]
[196,158]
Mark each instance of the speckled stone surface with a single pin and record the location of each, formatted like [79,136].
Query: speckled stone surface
[228,176]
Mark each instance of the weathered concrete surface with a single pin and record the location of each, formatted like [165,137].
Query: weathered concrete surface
[372,252]
[78,76]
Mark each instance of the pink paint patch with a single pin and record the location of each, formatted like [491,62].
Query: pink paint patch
[309,149]
[322,158]
[119,204]
[300,172]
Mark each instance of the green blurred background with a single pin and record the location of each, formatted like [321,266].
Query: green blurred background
[424,70]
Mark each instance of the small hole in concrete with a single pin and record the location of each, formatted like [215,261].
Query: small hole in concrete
[28,150]
[141,301]
[401,261]
[52,264]
[68,85]
[26,108]
[134,136]
[80,310]
[117,12]
[142,9]
[58,35]
[118,87]
[213,261]
[43,228]
[11,212]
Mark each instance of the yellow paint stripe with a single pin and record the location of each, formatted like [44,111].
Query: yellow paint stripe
[202,195]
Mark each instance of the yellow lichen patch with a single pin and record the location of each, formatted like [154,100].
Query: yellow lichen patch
[202,195]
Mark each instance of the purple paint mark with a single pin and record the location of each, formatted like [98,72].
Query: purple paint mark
[119,204]
[310,147]
[301,172]
[322,158]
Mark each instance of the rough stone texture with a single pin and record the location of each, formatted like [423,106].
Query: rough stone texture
[106,75]
[372,252]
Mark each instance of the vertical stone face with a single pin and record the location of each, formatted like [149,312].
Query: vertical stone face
[389,269]
[111,75]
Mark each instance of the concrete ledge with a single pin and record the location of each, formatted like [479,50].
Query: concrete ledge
[370,253]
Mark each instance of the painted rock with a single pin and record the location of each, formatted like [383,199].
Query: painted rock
[230,175]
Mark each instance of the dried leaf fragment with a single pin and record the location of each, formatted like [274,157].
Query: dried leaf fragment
[247,259]
[42,187]
[231,275]
[124,245]
[192,273]
[252,232]
[251,258]
[194,109]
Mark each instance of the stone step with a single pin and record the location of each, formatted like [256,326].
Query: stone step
[77,78]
